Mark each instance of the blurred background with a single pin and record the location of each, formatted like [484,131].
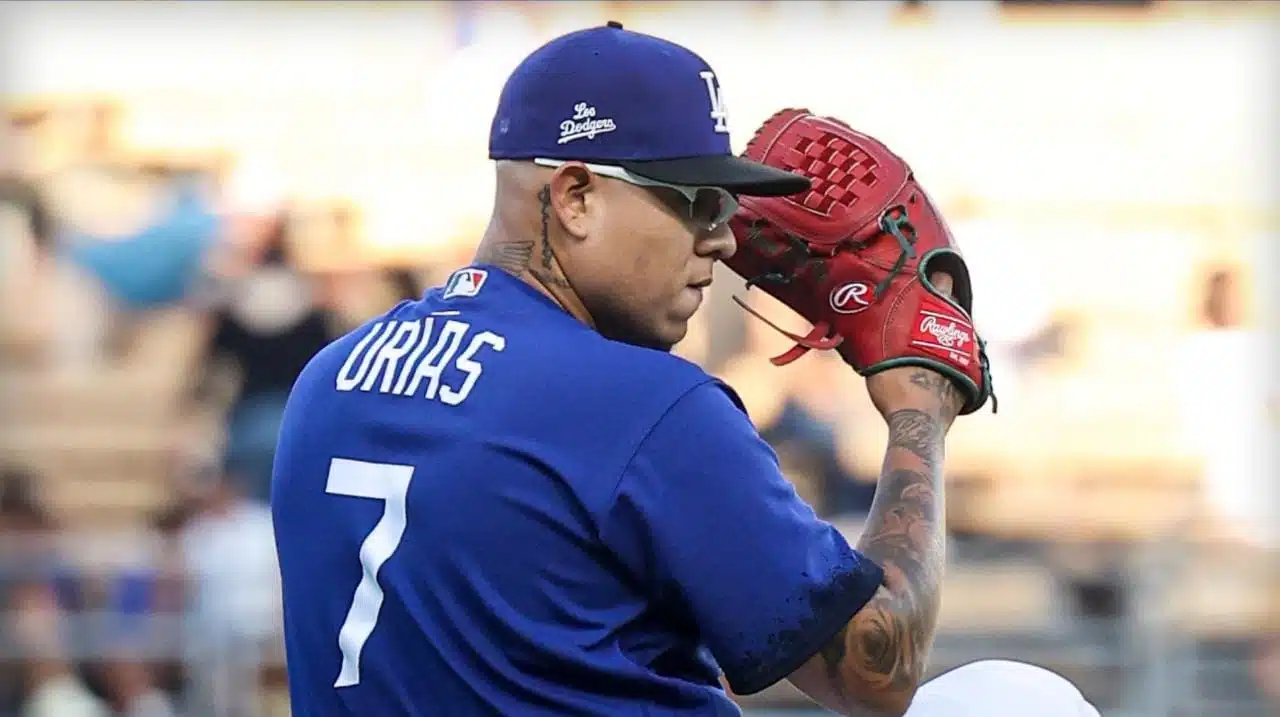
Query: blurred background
[196,196]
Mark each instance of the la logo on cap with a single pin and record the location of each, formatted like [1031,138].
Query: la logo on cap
[719,112]
[465,282]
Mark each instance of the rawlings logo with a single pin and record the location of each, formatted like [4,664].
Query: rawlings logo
[950,335]
[852,297]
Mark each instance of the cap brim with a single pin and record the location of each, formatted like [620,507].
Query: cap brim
[736,174]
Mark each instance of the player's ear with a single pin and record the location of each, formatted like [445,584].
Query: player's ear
[571,188]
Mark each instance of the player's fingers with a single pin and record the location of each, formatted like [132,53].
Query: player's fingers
[943,282]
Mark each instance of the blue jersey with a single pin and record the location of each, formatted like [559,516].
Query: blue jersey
[484,507]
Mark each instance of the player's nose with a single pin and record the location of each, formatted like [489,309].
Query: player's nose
[717,243]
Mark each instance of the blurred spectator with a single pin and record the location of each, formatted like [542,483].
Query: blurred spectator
[1267,671]
[26,236]
[155,262]
[53,687]
[28,551]
[267,320]
[32,212]
[785,405]
[356,296]
[403,285]
[169,595]
[807,448]
[1227,420]
[1011,308]
[228,550]
[44,683]
[268,317]
[133,242]
[137,637]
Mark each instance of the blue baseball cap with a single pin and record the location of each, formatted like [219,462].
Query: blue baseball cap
[606,95]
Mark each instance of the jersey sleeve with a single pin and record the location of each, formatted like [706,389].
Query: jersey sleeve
[705,519]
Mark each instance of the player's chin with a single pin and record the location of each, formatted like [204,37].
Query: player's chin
[685,305]
[670,332]
[673,335]
[676,324]
[663,334]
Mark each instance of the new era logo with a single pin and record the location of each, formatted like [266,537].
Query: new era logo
[465,282]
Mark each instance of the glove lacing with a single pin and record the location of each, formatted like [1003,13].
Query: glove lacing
[895,222]
[795,258]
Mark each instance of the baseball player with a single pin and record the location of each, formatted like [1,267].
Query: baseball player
[510,498]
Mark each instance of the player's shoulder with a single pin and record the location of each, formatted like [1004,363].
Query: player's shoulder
[647,366]
[328,361]
[405,309]
[653,376]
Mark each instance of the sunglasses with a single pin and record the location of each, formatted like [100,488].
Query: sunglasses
[709,207]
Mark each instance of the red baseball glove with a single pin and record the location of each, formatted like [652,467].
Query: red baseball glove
[854,254]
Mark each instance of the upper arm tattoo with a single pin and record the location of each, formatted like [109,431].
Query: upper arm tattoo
[885,648]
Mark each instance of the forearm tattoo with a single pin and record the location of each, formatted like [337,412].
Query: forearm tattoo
[886,649]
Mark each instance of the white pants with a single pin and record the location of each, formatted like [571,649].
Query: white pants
[1000,688]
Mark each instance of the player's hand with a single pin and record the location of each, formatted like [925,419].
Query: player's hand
[916,387]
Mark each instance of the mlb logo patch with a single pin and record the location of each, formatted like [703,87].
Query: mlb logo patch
[465,282]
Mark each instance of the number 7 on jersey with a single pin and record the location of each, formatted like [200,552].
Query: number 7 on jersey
[390,484]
